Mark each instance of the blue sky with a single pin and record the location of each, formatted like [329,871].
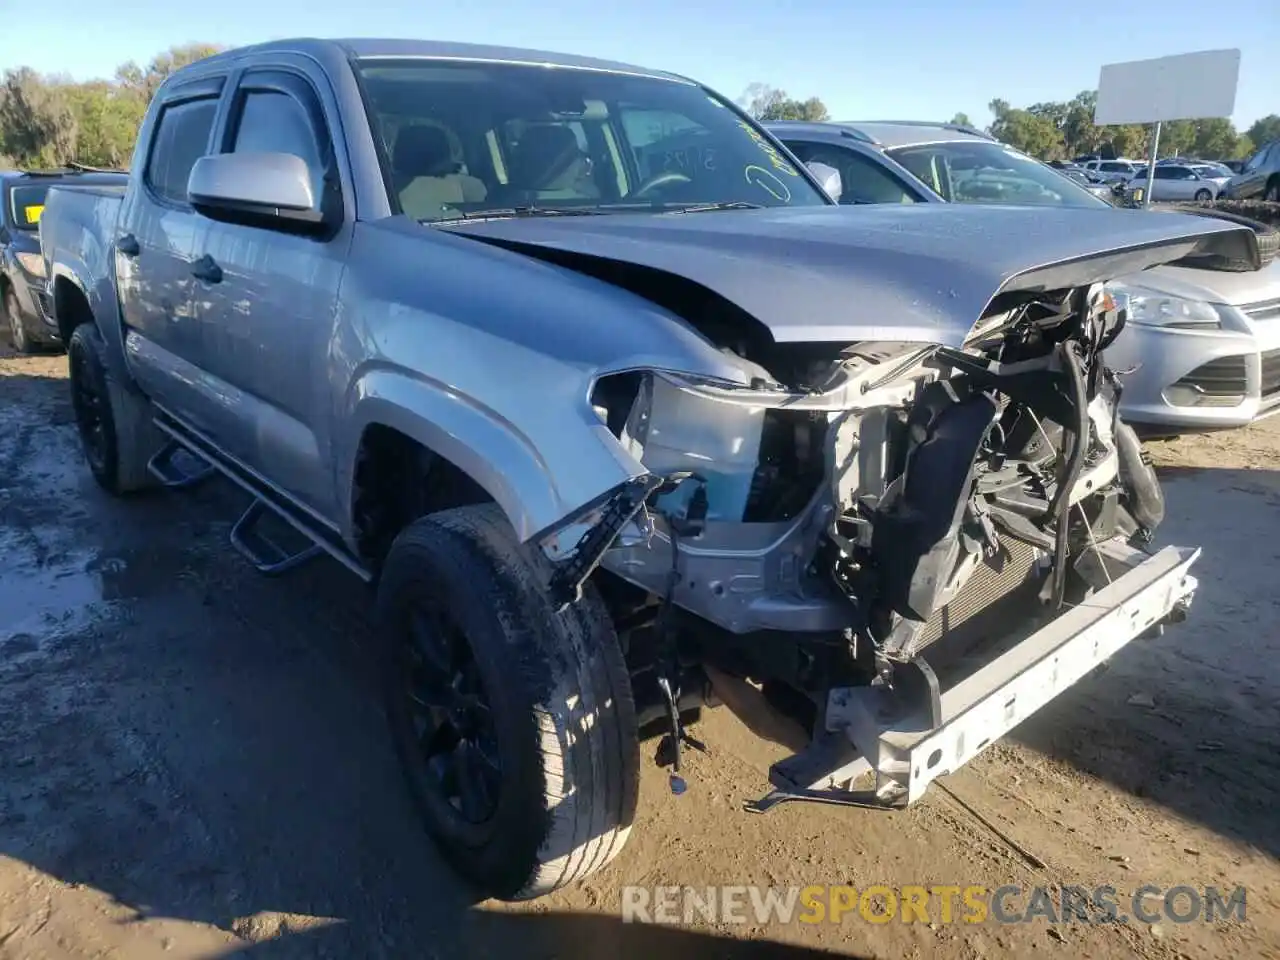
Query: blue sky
[921,59]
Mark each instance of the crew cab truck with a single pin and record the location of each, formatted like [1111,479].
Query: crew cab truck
[621,415]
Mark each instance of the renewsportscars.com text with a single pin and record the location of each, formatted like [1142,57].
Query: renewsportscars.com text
[1012,903]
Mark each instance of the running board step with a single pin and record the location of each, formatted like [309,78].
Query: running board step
[266,555]
[171,475]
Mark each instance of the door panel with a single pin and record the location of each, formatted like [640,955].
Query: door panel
[154,256]
[266,322]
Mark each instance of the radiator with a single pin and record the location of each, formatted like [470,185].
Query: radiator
[990,593]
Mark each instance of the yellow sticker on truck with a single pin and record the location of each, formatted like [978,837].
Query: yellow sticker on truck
[32,213]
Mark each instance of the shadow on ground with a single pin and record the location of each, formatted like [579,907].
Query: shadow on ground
[1191,720]
[564,936]
[205,744]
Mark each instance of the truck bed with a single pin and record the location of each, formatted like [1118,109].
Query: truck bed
[77,232]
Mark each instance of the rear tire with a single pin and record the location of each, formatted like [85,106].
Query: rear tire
[18,335]
[515,724]
[115,423]
[1272,192]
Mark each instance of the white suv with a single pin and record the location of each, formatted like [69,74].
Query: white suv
[1112,171]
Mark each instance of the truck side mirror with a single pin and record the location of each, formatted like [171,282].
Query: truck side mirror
[829,177]
[271,190]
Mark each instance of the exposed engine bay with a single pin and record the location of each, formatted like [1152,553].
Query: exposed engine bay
[861,504]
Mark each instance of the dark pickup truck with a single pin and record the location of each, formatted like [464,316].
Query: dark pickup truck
[24,307]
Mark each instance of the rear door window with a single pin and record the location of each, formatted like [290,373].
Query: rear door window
[181,138]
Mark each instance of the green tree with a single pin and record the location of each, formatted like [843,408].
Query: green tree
[1080,134]
[962,120]
[1177,137]
[1264,130]
[1032,133]
[107,120]
[145,82]
[1216,139]
[1129,140]
[37,127]
[767,103]
[50,121]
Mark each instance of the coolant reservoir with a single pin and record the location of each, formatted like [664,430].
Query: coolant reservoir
[675,429]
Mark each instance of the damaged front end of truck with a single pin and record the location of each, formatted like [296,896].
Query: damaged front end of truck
[885,554]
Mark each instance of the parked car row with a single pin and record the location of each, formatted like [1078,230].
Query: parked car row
[622,415]
[1202,349]
[1172,181]
[1255,178]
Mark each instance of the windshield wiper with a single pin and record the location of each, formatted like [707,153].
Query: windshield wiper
[498,213]
[723,205]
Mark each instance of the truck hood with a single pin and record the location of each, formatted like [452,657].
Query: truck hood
[924,272]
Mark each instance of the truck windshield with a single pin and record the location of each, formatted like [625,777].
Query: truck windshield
[26,204]
[461,139]
[980,171]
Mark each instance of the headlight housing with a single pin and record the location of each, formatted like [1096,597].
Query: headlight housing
[1154,309]
[33,263]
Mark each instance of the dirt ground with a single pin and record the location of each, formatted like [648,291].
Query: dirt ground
[193,763]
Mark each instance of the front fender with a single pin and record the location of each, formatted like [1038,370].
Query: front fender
[494,452]
[488,358]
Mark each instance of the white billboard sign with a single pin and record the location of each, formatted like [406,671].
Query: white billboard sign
[1189,86]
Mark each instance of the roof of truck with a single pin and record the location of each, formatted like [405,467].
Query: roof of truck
[366,47]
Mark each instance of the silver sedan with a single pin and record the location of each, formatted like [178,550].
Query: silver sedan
[1177,182]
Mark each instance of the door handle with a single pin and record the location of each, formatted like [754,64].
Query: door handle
[207,269]
[128,245]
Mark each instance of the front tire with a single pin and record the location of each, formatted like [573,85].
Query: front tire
[1203,196]
[1272,192]
[18,335]
[515,724]
[117,433]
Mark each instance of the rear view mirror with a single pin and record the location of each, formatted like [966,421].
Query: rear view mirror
[271,190]
[828,177]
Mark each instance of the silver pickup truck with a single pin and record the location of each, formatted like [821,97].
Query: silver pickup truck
[623,417]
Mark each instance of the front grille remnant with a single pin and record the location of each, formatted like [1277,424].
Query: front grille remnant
[1270,373]
[1221,380]
[1262,310]
[976,610]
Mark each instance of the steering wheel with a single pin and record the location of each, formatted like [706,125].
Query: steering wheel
[660,180]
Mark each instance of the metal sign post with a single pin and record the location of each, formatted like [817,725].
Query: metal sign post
[1151,164]
[1188,86]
